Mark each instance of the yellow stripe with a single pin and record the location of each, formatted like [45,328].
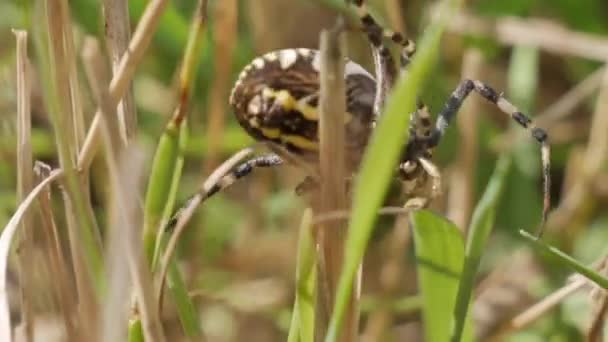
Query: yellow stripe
[288,102]
[300,142]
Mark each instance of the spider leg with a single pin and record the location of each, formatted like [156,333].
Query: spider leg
[433,172]
[385,70]
[420,130]
[453,105]
[240,171]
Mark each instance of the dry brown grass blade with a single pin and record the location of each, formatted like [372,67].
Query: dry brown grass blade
[568,102]
[330,235]
[64,288]
[118,34]
[596,331]
[81,222]
[539,33]
[74,86]
[95,71]
[599,309]
[575,203]
[125,170]
[5,246]
[462,183]
[539,309]
[124,74]
[186,214]
[60,73]
[25,179]
[224,41]
[394,11]
[126,214]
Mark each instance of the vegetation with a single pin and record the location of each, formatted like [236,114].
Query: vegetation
[98,148]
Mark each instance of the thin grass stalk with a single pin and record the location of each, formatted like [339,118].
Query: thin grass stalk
[25,179]
[124,178]
[5,246]
[394,12]
[379,160]
[166,164]
[596,153]
[224,38]
[302,314]
[119,282]
[125,185]
[74,86]
[577,202]
[567,103]
[540,309]
[595,332]
[123,75]
[67,147]
[566,260]
[330,234]
[542,34]
[95,70]
[481,225]
[166,172]
[118,34]
[64,288]
[599,309]
[84,243]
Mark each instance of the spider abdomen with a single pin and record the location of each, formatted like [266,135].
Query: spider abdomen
[276,98]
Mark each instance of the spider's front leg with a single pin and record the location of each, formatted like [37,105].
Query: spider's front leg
[385,71]
[453,105]
[240,171]
[416,168]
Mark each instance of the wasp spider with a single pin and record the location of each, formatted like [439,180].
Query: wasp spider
[276,97]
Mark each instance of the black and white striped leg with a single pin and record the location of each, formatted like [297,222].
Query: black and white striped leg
[453,105]
[386,72]
[240,171]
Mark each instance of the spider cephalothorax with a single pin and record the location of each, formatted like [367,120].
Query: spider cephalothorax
[276,96]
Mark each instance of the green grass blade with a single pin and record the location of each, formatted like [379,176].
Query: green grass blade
[188,315]
[566,260]
[479,230]
[302,320]
[135,331]
[440,257]
[379,162]
[159,185]
[167,171]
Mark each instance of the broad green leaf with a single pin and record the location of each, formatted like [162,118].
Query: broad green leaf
[439,256]
[481,226]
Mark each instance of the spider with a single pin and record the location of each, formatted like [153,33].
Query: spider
[276,96]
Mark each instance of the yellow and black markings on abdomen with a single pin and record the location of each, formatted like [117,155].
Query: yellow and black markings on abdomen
[276,98]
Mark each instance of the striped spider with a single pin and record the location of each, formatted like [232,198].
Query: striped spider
[276,98]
